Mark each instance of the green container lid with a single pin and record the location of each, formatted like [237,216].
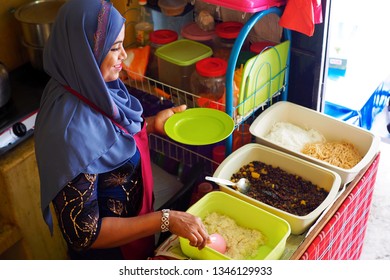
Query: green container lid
[183,52]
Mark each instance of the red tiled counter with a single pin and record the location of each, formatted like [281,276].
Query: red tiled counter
[342,234]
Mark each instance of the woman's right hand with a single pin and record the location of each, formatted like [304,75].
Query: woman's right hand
[190,227]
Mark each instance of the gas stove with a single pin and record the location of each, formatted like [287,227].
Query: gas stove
[17,117]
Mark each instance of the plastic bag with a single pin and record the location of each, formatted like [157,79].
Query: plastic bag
[136,62]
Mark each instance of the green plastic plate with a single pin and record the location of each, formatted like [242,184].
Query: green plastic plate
[199,126]
[263,76]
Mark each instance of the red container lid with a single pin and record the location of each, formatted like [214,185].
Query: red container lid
[257,47]
[211,67]
[192,31]
[163,36]
[228,29]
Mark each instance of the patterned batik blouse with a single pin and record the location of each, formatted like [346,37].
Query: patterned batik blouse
[84,201]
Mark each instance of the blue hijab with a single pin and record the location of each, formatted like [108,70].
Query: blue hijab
[70,136]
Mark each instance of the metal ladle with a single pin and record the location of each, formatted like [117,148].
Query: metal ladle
[242,185]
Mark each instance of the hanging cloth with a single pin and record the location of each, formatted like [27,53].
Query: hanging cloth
[302,15]
[317,11]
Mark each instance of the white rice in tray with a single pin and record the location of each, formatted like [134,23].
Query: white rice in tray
[241,242]
[292,136]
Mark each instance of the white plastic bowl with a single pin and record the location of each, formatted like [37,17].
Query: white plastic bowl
[327,179]
[333,130]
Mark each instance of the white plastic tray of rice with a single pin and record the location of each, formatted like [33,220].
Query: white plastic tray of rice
[316,137]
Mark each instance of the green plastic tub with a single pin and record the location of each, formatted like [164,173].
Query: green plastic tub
[275,229]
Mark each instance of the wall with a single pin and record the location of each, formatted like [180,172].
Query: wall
[130,10]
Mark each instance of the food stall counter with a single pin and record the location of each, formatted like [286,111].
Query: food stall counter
[337,234]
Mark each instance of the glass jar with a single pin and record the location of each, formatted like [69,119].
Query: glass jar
[158,38]
[144,26]
[209,79]
[226,34]
[202,8]
[241,136]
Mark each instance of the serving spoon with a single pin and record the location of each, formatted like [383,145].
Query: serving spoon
[242,185]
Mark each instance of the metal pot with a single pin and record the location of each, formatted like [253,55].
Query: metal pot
[35,55]
[5,89]
[36,20]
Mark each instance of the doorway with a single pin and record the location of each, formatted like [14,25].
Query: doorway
[358,74]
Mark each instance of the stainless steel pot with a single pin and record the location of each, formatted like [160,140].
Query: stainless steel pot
[5,89]
[36,20]
[35,55]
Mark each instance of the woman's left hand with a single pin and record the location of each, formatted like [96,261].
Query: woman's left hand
[157,122]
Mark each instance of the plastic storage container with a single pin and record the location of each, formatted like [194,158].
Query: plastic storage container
[325,178]
[275,229]
[331,128]
[193,32]
[158,38]
[208,80]
[226,34]
[161,21]
[176,62]
[172,8]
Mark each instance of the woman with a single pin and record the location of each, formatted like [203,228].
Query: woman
[91,143]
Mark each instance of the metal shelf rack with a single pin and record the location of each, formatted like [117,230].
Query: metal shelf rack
[230,109]
[166,93]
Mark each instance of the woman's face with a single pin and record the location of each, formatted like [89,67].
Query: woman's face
[112,63]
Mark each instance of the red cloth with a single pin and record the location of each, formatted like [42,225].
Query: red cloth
[143,248]
[302,15]
[317,11]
